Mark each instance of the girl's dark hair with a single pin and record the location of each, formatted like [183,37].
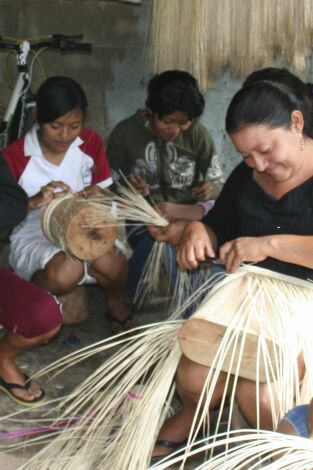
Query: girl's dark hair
[58,96]
[268,97]
[175,90]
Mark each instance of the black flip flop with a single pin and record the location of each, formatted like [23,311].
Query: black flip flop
[7,387]
[171,446]
[122,324]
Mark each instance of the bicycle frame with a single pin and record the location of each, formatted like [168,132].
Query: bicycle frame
[21,82]
[21,85]
[19,94]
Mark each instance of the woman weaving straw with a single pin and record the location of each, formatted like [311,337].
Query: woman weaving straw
[58,156]
[263,216]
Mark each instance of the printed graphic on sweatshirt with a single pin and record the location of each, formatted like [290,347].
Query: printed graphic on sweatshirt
[177,170]
[215,171]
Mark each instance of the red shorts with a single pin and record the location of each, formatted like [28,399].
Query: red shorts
[25,308]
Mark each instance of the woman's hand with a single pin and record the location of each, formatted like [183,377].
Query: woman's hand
[203,192]
[170,234]
[196,244]
[47,193]
[139,185]
[244,249]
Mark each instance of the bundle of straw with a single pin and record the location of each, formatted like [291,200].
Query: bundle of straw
[126,204]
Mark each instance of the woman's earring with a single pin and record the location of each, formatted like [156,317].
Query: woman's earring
[301,141]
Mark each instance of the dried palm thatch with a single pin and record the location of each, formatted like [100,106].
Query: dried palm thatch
[207,36]
[119,422]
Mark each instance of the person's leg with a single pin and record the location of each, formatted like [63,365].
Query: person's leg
[110,271]
[190,379]
[32,317]
[246,395]
[11,345]
[60,275]
[141,243]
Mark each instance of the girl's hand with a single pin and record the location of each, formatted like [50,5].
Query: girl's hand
[244,249]
[195,245]
[47,193]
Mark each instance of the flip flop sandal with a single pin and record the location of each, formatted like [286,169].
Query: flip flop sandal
[7,388]
[171,446]
[121,324]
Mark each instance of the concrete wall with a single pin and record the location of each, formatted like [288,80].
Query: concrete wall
[112,75]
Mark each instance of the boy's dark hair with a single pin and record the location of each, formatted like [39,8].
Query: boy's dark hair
[175,90]
[269,99]
[58,96]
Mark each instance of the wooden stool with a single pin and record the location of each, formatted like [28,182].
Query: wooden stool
[74,306]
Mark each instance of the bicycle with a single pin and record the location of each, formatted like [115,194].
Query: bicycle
[17,118]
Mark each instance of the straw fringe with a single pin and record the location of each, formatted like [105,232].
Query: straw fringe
[208,37]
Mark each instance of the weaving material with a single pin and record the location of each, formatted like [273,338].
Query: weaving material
[249,451]
[66,222]
[119,425]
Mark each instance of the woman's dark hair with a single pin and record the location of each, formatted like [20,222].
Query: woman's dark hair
[58,96]
[268,97]
[175,90]
[274,74]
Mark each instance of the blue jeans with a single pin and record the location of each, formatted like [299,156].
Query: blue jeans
[141,242]
[298,418]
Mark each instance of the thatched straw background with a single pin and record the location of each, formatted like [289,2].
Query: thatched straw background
[205,37]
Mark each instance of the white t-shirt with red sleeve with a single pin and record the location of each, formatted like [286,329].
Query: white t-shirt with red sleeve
[85,163]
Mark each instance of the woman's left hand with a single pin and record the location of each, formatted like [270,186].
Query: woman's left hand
[243,249]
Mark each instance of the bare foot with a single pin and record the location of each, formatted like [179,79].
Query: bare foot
[10,373]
